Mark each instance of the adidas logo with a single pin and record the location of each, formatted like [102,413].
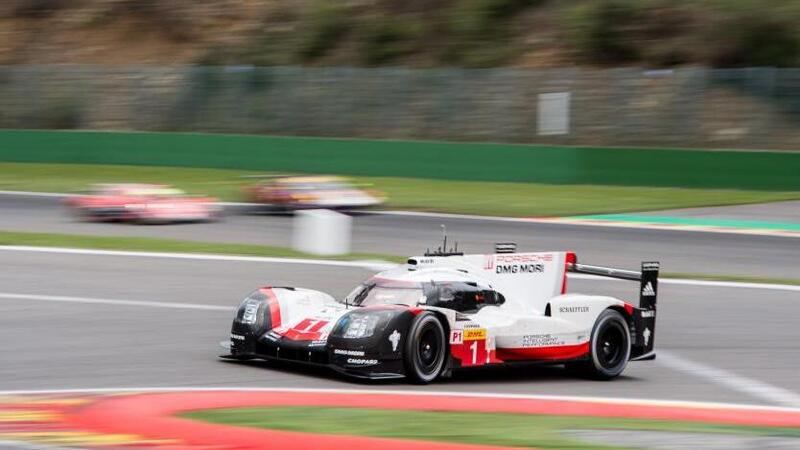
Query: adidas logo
[647,290]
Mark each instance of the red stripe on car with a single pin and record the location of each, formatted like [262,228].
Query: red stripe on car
[274,307]
[561,352]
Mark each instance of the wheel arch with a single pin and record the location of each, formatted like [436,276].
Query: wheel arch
[446,326]
[628,318]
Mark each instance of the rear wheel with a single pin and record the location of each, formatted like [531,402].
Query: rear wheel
[425,349]
[610,347]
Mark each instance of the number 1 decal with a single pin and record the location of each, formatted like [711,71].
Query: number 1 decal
[471,346]
[474,348]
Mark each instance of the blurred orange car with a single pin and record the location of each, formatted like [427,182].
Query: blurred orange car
[142,203]
[312,192]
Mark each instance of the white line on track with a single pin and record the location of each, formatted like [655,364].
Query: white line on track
[599,223]
[115,302]
[426,393]
[368,265]
[35,194]
[754,388]
[701,283]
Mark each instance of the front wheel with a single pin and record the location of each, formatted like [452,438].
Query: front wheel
[425,349]
[610,347]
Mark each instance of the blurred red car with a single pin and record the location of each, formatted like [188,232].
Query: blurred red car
[312,192]
[142,203]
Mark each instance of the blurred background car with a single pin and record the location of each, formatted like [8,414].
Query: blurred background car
[289,193]
[142,203]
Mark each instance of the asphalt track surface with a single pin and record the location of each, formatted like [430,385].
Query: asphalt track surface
[678,251]
[51,344]
[774,212]
[720,344]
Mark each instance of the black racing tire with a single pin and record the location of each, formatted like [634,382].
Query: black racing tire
[425,351]
[610,348]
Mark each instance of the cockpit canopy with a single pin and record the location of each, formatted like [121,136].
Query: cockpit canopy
[461,296]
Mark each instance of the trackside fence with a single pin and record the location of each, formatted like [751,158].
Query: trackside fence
[693,107]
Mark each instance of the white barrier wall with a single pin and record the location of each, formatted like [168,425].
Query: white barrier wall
[321,232]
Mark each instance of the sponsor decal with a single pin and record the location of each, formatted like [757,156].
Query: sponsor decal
[472,346]
[489,262]
[573,309]
[650,266]
[272,335]
[341,351]
[648,291]
[646,334]
[394,338]
[474,334]
[319,343]
[541,340]
[362,361]
[522,258]
[425,261]
[648,313]
[474,352]
[237,337]
[519,268]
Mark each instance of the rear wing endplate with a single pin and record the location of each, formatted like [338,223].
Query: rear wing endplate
[644,317]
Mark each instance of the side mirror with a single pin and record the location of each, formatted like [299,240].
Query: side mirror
[493,298]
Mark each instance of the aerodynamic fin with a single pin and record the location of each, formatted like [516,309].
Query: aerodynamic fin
[644,317]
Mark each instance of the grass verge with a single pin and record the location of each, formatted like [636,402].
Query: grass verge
[465,197]
[518,430]
[146,244]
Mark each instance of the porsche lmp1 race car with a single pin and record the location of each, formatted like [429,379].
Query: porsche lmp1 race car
[142,203]
[289,193]
[446,311]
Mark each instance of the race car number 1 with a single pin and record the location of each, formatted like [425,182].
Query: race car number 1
[469,346]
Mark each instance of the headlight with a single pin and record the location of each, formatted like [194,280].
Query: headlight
[249,311]
[361,326]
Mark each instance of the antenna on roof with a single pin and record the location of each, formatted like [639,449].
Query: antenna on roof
[443,250]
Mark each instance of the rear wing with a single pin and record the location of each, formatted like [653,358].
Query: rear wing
[644,317]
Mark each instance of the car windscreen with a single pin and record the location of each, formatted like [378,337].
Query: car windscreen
[371,294]
[466,297]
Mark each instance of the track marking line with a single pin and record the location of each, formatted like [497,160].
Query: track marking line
[368,265]
[754,388]
[699,283]
[115,302]
[36,194]
[568,221]
[412,391]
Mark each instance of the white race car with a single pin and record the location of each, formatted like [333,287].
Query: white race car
[445,311]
